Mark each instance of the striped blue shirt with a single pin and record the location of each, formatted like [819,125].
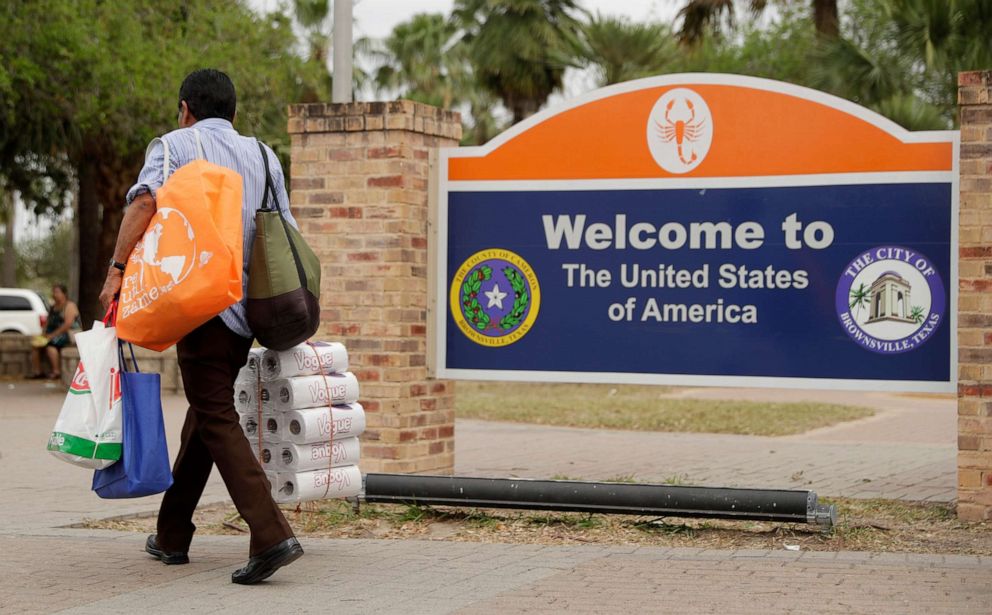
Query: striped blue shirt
[222,145]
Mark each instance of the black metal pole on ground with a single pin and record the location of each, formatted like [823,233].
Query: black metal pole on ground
[608,498]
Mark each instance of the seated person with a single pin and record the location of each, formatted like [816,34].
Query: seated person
[61,318]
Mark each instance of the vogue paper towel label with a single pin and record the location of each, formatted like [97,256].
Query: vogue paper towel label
[319,392]
[341,425]
[307,360]
[338,481]
[339,452]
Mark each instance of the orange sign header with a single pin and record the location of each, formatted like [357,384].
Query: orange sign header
[701,125]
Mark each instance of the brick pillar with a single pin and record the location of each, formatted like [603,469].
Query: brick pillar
[359,191]
[975,299]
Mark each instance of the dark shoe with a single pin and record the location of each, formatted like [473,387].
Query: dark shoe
[263,566]
[166,557]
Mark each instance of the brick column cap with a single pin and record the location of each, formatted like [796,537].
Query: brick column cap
[406,115]
[975,77]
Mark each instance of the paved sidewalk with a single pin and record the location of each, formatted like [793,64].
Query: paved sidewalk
[103,572]
[49,568]
[908,450]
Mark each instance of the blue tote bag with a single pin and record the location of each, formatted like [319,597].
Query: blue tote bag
[144,465]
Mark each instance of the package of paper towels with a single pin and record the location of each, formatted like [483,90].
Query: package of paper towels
[310,392]
[343,482]
[246,397]
[272,428]
[305,360]
[314,424]
[249,424]
[249,373]
[304,457]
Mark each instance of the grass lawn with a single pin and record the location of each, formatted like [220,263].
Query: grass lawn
[643,408]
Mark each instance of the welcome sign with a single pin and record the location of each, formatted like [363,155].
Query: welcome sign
[700,229]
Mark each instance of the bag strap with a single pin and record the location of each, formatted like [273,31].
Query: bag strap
[265,201]
[269,188]
[120,354]
[110,318]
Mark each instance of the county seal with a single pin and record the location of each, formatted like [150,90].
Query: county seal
[495,297]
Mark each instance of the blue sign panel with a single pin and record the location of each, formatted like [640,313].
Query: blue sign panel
[841,280]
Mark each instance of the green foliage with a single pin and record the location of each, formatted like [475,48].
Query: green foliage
[45,261]
[901,57]
[710,18]
[519,49]
[621,50]
[780,50]
[422,59]
[85,85]
[91,76]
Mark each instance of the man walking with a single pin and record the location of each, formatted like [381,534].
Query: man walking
[211,355]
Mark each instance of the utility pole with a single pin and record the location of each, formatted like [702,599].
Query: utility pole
[342,52]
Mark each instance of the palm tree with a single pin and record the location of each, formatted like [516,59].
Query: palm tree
[825,18]
[314,18]
[700,16]
[860,296]
[312,15]
[903,57]
[621,50]
[916,314]
[419,61]
[424,59]
[519,49]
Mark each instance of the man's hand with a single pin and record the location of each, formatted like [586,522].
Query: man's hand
[111,286]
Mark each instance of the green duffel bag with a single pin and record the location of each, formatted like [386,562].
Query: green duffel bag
[283,278]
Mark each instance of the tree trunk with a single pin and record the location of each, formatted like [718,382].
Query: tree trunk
[73,263]
[523,109]
[825,18]
[91,269]
[104,178]
[9,206]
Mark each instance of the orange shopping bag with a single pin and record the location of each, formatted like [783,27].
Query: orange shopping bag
[187,267]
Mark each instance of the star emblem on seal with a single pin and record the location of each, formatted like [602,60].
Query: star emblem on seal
[495,297]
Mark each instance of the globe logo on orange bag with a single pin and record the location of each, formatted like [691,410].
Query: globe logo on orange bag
[168,246]
[178,258]
[680,130]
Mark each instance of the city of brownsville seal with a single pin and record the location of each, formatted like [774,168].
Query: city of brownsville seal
[495,297]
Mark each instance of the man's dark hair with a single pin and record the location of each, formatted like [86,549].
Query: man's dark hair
[208,93]
[62,287]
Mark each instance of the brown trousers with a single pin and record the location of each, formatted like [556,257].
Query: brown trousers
[209,359]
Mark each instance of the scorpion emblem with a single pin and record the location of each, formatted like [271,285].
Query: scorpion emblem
[681,131]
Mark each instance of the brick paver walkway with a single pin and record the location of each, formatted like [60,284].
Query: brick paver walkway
[99,573]
[908,450]
[47,568]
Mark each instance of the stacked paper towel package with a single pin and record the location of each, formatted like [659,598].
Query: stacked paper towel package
[310,420]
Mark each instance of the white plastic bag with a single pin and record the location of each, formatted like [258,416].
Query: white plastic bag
[88,430]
